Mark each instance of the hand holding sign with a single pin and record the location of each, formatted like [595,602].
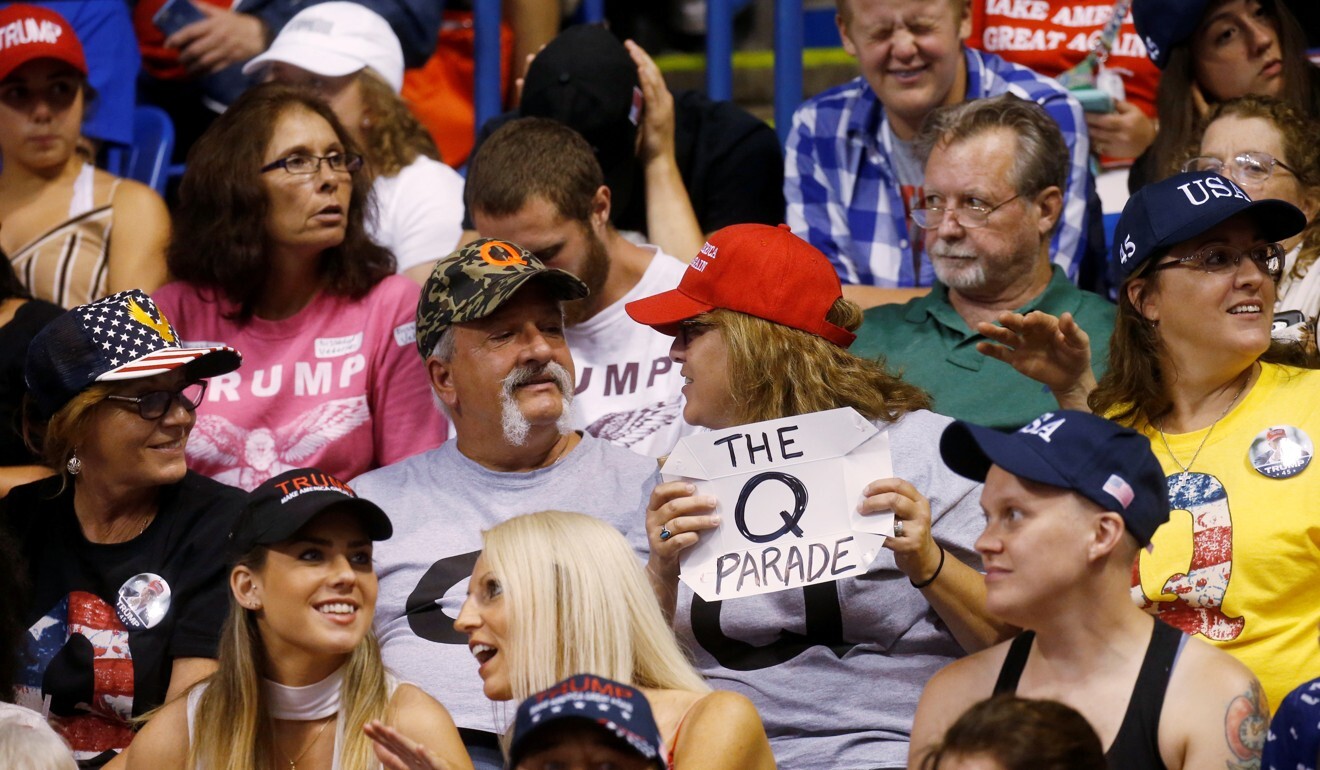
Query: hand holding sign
[674,517]
[790,508]
[915,551]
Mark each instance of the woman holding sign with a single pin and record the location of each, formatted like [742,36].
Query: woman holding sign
[761,332]
[555,594]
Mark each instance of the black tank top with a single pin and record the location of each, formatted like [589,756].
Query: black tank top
[1136,747]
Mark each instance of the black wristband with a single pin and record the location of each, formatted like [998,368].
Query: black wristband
[931,579]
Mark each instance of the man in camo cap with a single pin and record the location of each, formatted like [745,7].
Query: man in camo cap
[490,325]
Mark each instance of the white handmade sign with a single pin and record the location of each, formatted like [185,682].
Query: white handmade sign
[788,492]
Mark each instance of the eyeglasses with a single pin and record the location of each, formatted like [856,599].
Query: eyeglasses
[690,330]
[931,217]
[299,163]
[1219,258]
[154,405]
[1253,168]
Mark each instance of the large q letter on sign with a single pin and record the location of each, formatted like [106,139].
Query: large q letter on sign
[788,492]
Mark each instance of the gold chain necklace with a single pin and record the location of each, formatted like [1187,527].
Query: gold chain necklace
[1188,467]
[293,763]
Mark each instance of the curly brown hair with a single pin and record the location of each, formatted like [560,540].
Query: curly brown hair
[783,372]
[394,137]
[216,240]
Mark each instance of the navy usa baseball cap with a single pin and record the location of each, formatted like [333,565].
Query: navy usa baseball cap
[617,710]
[1100,460]
[1166,213]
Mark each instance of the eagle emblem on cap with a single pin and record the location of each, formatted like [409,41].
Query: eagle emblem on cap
[161,327]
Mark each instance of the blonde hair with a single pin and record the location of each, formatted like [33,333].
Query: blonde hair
[59,436]
[579,603]
[233,727]
[783,372]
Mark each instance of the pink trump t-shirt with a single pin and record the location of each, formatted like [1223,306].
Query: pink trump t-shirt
[338,386]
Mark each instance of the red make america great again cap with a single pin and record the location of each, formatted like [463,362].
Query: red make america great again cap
[29,32]
[763,271]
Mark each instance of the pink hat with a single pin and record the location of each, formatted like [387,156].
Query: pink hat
[763,271]
[29,32]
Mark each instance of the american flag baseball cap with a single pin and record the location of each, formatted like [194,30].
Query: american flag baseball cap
[121,337]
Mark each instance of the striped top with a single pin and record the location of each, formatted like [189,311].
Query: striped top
[69,264]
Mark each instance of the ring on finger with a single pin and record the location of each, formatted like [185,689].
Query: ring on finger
[898,528]
[665,534]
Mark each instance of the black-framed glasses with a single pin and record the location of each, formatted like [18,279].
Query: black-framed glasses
[154,405]
[690,329]
[301,163]
[1219,258]
[931,217]
[1253,168]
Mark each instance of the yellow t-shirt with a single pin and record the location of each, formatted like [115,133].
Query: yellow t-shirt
[1238,563]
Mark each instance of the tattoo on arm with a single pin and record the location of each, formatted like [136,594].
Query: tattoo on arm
[1246,723]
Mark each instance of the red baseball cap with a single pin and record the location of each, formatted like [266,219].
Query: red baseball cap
[763,271]
[30,32]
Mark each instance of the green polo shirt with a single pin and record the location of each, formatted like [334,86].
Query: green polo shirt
[932,347]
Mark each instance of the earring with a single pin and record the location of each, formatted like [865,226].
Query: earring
[74,465]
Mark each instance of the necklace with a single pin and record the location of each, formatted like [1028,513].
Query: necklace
[1188,467]
[293,763]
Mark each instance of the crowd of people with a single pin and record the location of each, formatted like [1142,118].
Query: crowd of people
[344,459]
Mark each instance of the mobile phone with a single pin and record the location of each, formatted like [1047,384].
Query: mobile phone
[1285,318]
[1093,100]
[174,15]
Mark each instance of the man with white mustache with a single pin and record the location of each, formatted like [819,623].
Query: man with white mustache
[515,423]
[995,170]
[490,325]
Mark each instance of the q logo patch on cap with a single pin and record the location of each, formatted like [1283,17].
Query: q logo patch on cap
[501,254]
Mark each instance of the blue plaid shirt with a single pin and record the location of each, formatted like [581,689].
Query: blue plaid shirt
[843,193]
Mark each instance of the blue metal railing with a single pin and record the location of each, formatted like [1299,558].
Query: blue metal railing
[719,49]
[719,55]
[788,63]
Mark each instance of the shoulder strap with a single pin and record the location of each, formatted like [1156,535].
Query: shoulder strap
[1014,663]
[1137,744]
[678,729]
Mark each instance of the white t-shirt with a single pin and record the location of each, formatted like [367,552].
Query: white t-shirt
[419,212]
[628,391]
[1299,293]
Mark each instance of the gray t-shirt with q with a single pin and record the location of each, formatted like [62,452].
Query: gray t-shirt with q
[836,668]
[440,502]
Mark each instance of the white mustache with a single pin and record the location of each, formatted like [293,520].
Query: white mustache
[527,373]
[945,251]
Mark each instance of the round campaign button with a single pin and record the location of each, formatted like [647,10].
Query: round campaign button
[1281,451]
[143,601]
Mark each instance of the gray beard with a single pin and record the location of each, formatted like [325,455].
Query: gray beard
[968,278]
[513,422]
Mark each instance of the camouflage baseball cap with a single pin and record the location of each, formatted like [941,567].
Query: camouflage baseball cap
[475,280]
